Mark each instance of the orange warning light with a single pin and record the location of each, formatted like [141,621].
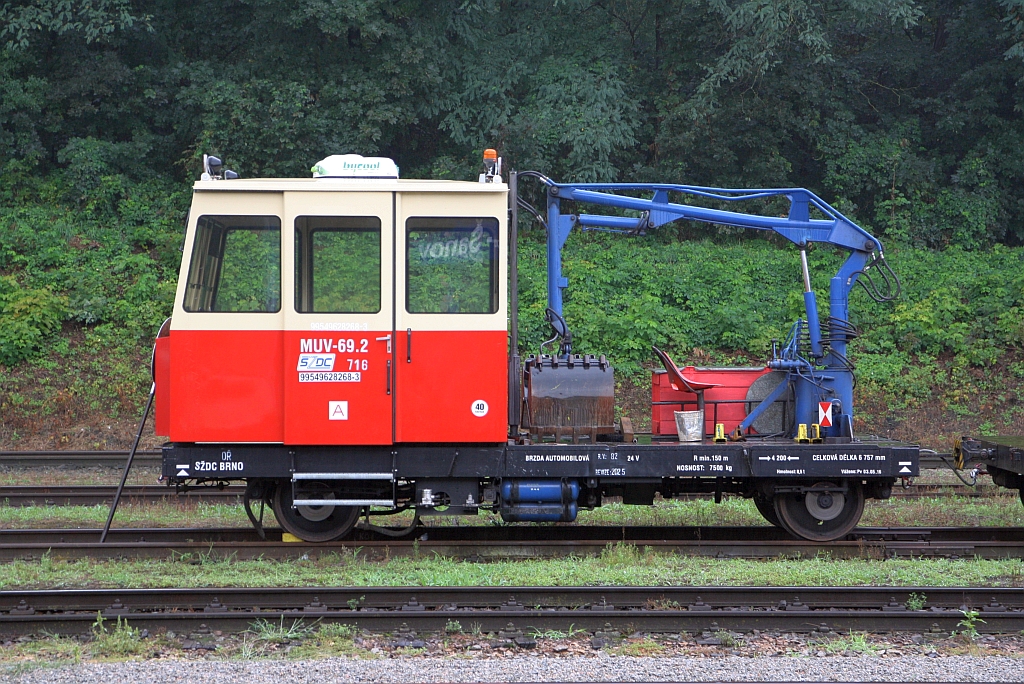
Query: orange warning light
[490,155]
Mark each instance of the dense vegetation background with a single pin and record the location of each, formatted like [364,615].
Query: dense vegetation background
[905,115]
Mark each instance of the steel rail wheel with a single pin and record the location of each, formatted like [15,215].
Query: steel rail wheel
[820,516]
[313,523]
[766,507]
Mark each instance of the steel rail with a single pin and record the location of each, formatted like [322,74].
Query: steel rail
[488,543]
[654,609]
[77,459]
[91,495]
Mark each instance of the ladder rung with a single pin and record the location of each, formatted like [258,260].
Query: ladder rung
[343,502]
[343,476]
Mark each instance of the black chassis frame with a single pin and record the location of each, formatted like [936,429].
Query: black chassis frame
[634,471]
[1003,458]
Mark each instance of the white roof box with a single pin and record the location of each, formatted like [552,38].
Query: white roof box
[355,166]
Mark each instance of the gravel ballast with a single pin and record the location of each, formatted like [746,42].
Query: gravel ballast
[526,668]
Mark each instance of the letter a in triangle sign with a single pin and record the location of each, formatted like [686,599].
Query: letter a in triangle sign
[825,413]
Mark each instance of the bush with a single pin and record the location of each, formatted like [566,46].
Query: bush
[27,317]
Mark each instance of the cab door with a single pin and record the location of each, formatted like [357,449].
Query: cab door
[338,340]
[225,341]
[451,318]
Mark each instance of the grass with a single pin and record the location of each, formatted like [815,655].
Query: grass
[169,513]
[329,641]
[120,642]
[264,630]
[572,632]
[854,642]
[646,647]
[265,639]
[12,476]
[116,641]
[620,565]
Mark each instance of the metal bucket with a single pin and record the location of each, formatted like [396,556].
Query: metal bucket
[690,425]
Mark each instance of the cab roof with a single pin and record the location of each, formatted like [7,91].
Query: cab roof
[345,185]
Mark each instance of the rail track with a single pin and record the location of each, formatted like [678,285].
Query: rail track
[514,612]
[90,495]
[482,543]
[76,459]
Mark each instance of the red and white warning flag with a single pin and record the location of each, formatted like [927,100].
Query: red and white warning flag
[825,413]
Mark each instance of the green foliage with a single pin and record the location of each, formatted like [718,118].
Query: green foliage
[120,642]
[854,642]
[970,622]
[906,112]
[95,20]
[266,630]
[345,270]
[106,243]
[906,115]
[27,318]
[917,601]
[723,301]
[579,116]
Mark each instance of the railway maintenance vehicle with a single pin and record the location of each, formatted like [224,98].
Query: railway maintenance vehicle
[348,344]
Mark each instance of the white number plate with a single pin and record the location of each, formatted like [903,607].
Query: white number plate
[330,377]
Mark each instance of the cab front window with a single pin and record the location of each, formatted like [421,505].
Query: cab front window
[452,265]
[235,265]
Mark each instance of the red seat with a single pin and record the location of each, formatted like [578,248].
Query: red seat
[680,381]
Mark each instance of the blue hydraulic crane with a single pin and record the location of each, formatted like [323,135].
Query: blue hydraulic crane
[814,356]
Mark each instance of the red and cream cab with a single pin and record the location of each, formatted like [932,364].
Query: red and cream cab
[351,308]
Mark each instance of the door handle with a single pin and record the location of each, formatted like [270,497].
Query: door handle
[388,385]
[386,338]
[408,345]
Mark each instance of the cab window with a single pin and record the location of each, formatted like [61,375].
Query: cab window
[337,264]
[235,265]
[452,265]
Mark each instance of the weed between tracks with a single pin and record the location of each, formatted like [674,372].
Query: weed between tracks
[129,514]
[14,476]
[300,640]
[619,565]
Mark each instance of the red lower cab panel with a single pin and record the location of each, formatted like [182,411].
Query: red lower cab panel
[226,386]
[270,386]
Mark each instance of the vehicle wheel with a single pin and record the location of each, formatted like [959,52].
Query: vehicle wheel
[313,523]
[766,507]
[824,516]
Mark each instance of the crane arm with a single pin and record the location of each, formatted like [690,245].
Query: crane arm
[827,350]
[797,227]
